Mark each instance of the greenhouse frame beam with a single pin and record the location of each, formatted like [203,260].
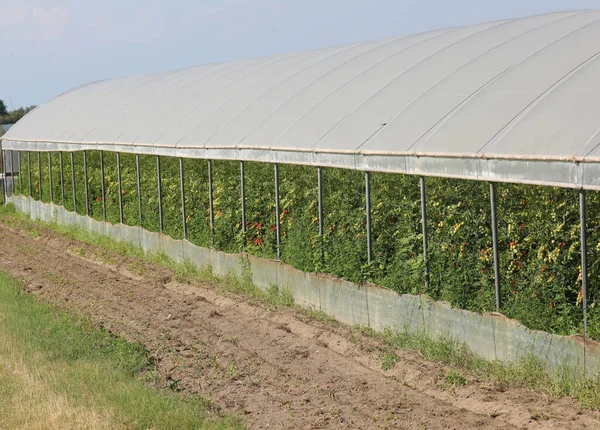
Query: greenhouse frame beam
[494,221]
[211,211]
[39,163]
[29,172]
[368,215]
[320,210]
[62,179]
[243,196]
[584,274]
[85,180]
[50,177]
[139,187]
[277,211]
[20,172]
[159,185]
[73,182]
[102,185]
[3,174]
[424,230]
[120,185]
[182,179]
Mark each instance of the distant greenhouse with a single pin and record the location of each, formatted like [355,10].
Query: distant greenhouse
[322,159]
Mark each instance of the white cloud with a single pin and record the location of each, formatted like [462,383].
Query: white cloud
[34,22]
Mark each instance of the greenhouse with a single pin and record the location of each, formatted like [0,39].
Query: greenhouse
[458,163]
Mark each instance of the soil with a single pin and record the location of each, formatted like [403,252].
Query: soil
[275,368]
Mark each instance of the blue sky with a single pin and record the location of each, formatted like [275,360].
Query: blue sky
[47,47]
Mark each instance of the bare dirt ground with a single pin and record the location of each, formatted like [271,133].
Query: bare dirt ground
[275,368]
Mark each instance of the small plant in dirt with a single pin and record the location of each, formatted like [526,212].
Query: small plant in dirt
[388,360]
[454,379]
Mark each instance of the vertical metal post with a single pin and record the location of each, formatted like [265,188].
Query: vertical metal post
[277,223]
[20,173]
[211,211]
[120,185]
[62,179]
[3,174]
[584,275]
[368,210]
[495,245]
[320,210]
[160,214]
[243,195]
[139,186]
[50,176]
[39,163]
[73,182]
[29,172]
[85,179]
[425,230]
[102,185]
[183,216]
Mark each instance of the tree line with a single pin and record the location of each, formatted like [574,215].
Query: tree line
[12,116]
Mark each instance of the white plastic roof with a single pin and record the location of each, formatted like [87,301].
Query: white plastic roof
[515,100]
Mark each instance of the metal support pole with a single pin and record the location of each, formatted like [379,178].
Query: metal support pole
[102,185]
[50,176]
[160,214]
[20,172]
[183,216]
[320,210]
[584,275]
[3,174]
[73,182]
[495,245]
[120,187]
[368,210]
[139,186]
[211,211]
[243,195]
[39,163]
[62,179]
[277,223]
[424,227]
[85,179]
[29,172]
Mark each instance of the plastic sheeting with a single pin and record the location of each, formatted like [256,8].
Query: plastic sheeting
[514,100]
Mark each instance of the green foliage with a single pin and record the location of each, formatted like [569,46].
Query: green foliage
[11,117]
[538,229]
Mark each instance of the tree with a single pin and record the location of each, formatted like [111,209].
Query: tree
[3,110]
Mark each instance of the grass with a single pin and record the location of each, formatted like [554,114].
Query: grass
[59,371]
[528,372]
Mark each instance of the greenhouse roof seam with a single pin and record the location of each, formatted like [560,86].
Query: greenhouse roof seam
[512,100]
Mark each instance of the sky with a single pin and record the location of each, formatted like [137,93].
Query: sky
[48,47]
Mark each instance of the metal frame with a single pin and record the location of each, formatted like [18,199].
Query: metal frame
[320,211]
[120,184]
[243,195]
[102,185]
[85,179]
[72,156]
[50,177]
[494,221]
[139,186]
[29,172]
[159,184]
[584,274]
[368,216]
[20,176]
[3,174]
[424,230]
[183,216]
[277,211]
[62,179]
[39,163]
[210,202]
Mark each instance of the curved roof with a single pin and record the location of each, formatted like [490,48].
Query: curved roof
[515,100]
